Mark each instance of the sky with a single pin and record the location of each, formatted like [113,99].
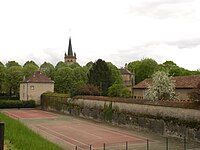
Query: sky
[117,31]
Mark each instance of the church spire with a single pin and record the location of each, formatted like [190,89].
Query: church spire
[70,52]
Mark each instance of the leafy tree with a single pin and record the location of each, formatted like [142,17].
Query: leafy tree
[2,77]
[30,63]
[48,69]
[116,75]
[143,69]
[195,94]
[13,77]
[118,90]
[11,64]
[162,87]
[29,69]
[88,66]
[60,64]
[100,75]
[74,65]
[64,80]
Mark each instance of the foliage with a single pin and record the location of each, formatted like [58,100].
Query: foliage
[118,90]
[100,75]
[31,63]
[88,90]
[64,80]
[143,69]
[17,104]
[29,68]
[108,112]
[2,77]
[115,74]
[195,94]
[162,87]
[11,64]
[13,77]
[48,69]
[60,65]
[56,94]
[23,138]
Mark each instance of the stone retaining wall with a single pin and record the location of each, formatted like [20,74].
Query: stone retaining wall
[178,122]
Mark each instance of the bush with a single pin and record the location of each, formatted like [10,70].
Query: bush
[88,90]
[118,90]
[17,104]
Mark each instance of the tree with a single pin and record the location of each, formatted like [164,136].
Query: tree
[162,87]
[116,76]
[195,94]
[11,64]
[2,77]
[100,75]
[29,68]
[88,66]
[13,77]
[143,69]
[48,69]
[118,90]
[64,80]
[60,64]
[88,90]
[30,63]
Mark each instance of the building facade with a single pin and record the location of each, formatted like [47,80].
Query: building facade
[183,86]
[32,87]
[70,57]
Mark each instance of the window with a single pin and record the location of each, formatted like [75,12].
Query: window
[23,95]
[32,87]
[23,87]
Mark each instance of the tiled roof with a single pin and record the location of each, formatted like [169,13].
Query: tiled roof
[124,71]
[38,77]
[181,82]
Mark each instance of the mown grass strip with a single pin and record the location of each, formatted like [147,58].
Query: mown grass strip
[23,138]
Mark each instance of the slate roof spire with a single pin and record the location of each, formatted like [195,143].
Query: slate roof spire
[70,51]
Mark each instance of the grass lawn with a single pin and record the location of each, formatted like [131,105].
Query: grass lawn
[23,138]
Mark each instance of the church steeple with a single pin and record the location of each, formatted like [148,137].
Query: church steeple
[70,51]
[70,58]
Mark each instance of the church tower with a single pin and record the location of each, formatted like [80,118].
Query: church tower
[70,58]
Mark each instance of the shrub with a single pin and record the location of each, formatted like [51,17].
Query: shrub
[17,104]
[89,90]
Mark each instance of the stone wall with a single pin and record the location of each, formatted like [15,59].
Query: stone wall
[170,121]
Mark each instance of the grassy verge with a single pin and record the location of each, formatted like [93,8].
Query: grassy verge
[23,138]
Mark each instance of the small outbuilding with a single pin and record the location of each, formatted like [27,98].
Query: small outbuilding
[32,87]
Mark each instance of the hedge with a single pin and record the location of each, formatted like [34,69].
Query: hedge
[17,104]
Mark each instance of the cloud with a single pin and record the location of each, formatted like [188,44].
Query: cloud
[163,9]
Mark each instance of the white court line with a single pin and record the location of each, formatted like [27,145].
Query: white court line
[56,137]
[63,135]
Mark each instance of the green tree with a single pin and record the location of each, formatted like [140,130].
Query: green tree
[11,64]
[100,75]
[162,87]
[48,69]
[2,77]
[30,63]
[116,76]
[60,64]
[118,90]
[64,80]
[29,68]
[143,69]
[13,77]
[88,66]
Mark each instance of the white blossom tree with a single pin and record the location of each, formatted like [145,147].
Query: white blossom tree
[162,87]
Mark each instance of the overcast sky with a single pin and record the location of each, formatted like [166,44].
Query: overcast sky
[118,31]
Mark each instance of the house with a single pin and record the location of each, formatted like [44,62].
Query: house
[128,78]
[32,87]
[183,86]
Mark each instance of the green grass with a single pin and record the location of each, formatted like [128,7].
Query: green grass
[23,138]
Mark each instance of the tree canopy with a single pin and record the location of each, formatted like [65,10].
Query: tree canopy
[100,76]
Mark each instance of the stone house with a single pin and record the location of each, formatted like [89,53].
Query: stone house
[183,86]
[32,87]
[128,78]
